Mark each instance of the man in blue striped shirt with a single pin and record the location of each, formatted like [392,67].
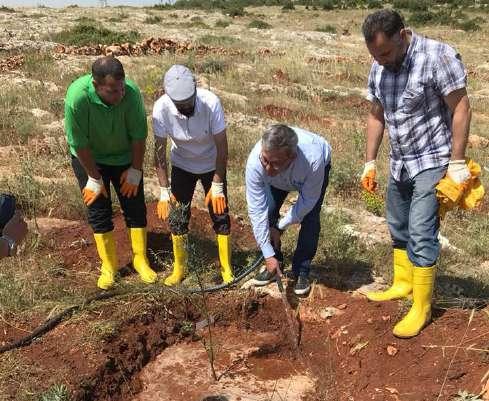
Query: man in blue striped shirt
[417,87]
[287,159]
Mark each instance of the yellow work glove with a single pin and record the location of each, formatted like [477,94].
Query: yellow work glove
[163,207]
[368,176]
[130,180]
[475,191]
[216,196]
[93,189]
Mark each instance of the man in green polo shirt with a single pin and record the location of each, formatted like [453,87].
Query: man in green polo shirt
[106,129]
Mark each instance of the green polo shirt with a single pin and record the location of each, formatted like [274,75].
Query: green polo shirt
[107,131]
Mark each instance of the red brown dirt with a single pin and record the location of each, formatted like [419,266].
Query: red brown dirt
[351,356]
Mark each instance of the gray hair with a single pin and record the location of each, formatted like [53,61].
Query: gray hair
[279,136]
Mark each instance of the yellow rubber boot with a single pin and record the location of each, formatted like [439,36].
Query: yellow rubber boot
[140,261]
[180,263]
[420,313]
[106,251]
[402,283]
[224,246]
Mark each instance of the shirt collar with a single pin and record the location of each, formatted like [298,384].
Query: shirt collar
[92,94]
[410,51]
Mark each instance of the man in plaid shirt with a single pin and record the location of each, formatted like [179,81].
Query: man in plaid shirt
[417,87]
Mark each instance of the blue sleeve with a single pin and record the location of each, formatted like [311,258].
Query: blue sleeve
[258,207]
[308,195]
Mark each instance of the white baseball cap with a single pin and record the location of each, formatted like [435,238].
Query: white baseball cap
[179,83]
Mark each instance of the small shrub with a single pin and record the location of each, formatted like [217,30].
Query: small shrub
[288,6]
[5,9]
[212,66]
[152,19]
[119,17]
[86,35]
[58,392]
[421,17]
[234,11]
[374,4]
[222,23]
[327,4]
[258,24]
[468,25]
[373,203]
[326,28]
[411,5]
[213,40]
[86,20]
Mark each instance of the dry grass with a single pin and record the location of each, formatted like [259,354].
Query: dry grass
[312,79]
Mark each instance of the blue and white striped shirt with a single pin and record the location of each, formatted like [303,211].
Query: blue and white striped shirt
[418,120]
[305,174]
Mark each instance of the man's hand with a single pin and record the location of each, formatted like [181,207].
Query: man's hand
[273,265]
[163,207]
[93,189]
[16,228]
[275,235]
[216,197]
[369,182]
[458,171]
[130,180]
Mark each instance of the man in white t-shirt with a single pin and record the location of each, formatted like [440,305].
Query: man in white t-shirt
[193,119]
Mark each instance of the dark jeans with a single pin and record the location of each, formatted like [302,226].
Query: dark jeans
[183,187]
[100,211]
[307,243]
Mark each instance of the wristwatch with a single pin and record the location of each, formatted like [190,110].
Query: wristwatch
[11,244]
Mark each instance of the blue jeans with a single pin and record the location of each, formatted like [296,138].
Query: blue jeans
[412,215]
[310,227]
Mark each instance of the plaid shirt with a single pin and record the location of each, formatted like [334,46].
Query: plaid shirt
[418,120]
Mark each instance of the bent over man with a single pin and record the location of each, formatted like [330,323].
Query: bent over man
[193,119]
[287,159]
[417,87]
[106,130]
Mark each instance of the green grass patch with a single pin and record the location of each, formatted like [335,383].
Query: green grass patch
[213,40]
[57,392]
[89,35]
[259,24]
[152,19]
[5,9]
[326,28]
[221,23]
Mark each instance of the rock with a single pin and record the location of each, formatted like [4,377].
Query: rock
[329,312]
[391,350]
[476,141]
[42,114]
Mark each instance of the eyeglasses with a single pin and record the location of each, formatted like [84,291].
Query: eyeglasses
[273,165]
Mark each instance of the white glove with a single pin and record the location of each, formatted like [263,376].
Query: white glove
[368,166]
[95,185]
[133,176]
[458,171]
[93,189]
[217,189]
[163,207]
[165,194]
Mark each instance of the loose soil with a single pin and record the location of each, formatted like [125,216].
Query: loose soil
[159,353]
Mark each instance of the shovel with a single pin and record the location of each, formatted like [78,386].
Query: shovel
[294,332]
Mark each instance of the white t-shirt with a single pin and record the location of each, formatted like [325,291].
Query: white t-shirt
[192,144]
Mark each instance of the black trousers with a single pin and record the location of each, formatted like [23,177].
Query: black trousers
[100,211]
[183,187]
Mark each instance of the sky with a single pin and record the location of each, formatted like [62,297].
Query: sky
[81,3]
